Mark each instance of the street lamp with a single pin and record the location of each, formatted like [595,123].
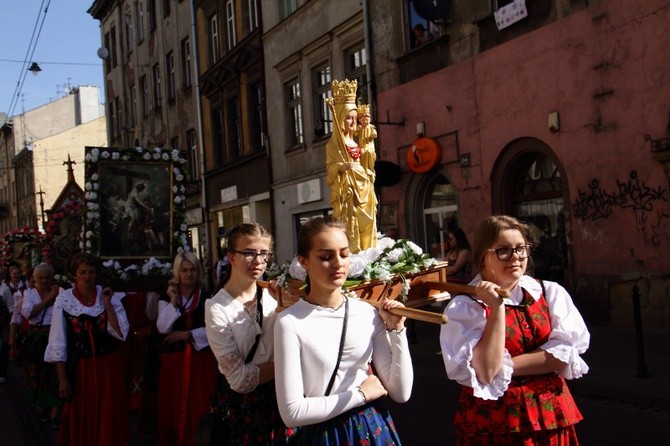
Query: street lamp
[34,68]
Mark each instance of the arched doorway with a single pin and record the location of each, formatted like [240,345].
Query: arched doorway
[530,185]
[435,212]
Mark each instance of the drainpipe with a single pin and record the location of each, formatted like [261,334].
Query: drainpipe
[201,145]
[370,63]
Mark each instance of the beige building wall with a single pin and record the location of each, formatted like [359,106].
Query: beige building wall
[51,153]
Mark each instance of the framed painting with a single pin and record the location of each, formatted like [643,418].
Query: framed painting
[135,208]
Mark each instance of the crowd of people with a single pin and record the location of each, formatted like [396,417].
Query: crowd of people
[316,373]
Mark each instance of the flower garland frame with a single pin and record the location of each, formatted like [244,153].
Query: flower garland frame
[126,269]
[25,234]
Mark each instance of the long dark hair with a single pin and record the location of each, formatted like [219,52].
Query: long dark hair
[234,236]
[461,239]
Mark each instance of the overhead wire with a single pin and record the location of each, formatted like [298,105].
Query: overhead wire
[37,30]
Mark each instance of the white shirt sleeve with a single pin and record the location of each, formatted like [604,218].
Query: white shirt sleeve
[199,336]
[167,315]
[121,316]
[569,336]
[57,347]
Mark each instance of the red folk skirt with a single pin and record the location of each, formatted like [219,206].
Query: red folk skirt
[186,385]
[97,414]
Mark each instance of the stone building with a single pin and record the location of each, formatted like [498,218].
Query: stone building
[539,110]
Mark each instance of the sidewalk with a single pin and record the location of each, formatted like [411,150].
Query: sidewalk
[613,361]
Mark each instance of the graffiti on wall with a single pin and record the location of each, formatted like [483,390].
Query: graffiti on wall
[634,194]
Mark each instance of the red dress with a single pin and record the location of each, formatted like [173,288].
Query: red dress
[187,380]
[534,409]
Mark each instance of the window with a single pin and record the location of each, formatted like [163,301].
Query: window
[129,32]
[252,10]
[169,66]
[112,118]
[151,10]
[235,128]
[133,106]
[166,8]
[294,106]
[217,136]
[230,24]
[108,60]
[356,60]
[144,91]
[214,48]
[112,49]
[420,30]
[174,142]
[157,85]
[139,17]
[286,8]
[192,154]
[186,62]
[256,116]
[322,113]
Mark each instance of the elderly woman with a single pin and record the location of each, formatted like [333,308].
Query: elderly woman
[87,326]
[37,308]
[187,378]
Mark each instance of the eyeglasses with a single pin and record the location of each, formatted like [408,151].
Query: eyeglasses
[522,252]
[250,255]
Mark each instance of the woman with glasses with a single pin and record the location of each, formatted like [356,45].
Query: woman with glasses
[512,355]
[458,256]
[240,320]
[187,376]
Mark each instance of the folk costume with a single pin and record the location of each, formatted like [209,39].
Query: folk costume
[307,342]
[517,410]
[232,328]
[41,376]
[352,193]
[82,337]
[187,374]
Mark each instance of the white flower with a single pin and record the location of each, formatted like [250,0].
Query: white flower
[182,160]
[115,155]
[175,155]
[182,189]
[105,154]
[89,234]
[394,255]
[125,157]
[184,227]
[108,264]
[88,157]
[165,156]
[357,266]
[179,178]
[385,242]
[93,195]
[138,149]
[156,156]
[88,244]
[95,186]
[177,199]
[416,248]
[296,270]
[175,189]
[87,186]
[147,156]
[371,254]
[94,177]
[157,150]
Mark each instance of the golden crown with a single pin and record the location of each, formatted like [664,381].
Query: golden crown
[344,92]
[363,110]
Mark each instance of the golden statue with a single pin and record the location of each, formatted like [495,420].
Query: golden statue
[350,168]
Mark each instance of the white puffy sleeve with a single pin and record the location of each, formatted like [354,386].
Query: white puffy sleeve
[57,347]
[242,378]
[569,337]
[121,316]
[167,315]
[458,338]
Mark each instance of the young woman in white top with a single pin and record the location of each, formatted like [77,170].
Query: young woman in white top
[375,359]
[240,320]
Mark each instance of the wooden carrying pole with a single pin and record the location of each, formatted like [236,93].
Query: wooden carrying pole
[411,313]
[459,288]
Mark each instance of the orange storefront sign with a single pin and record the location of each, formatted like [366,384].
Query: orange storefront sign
[423,155]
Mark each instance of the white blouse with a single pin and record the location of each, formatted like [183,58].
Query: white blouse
[569,337]
[168,315]
[307,341]
[31,297]
[57,348]
[231,332]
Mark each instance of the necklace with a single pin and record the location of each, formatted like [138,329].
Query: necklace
[82,298]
